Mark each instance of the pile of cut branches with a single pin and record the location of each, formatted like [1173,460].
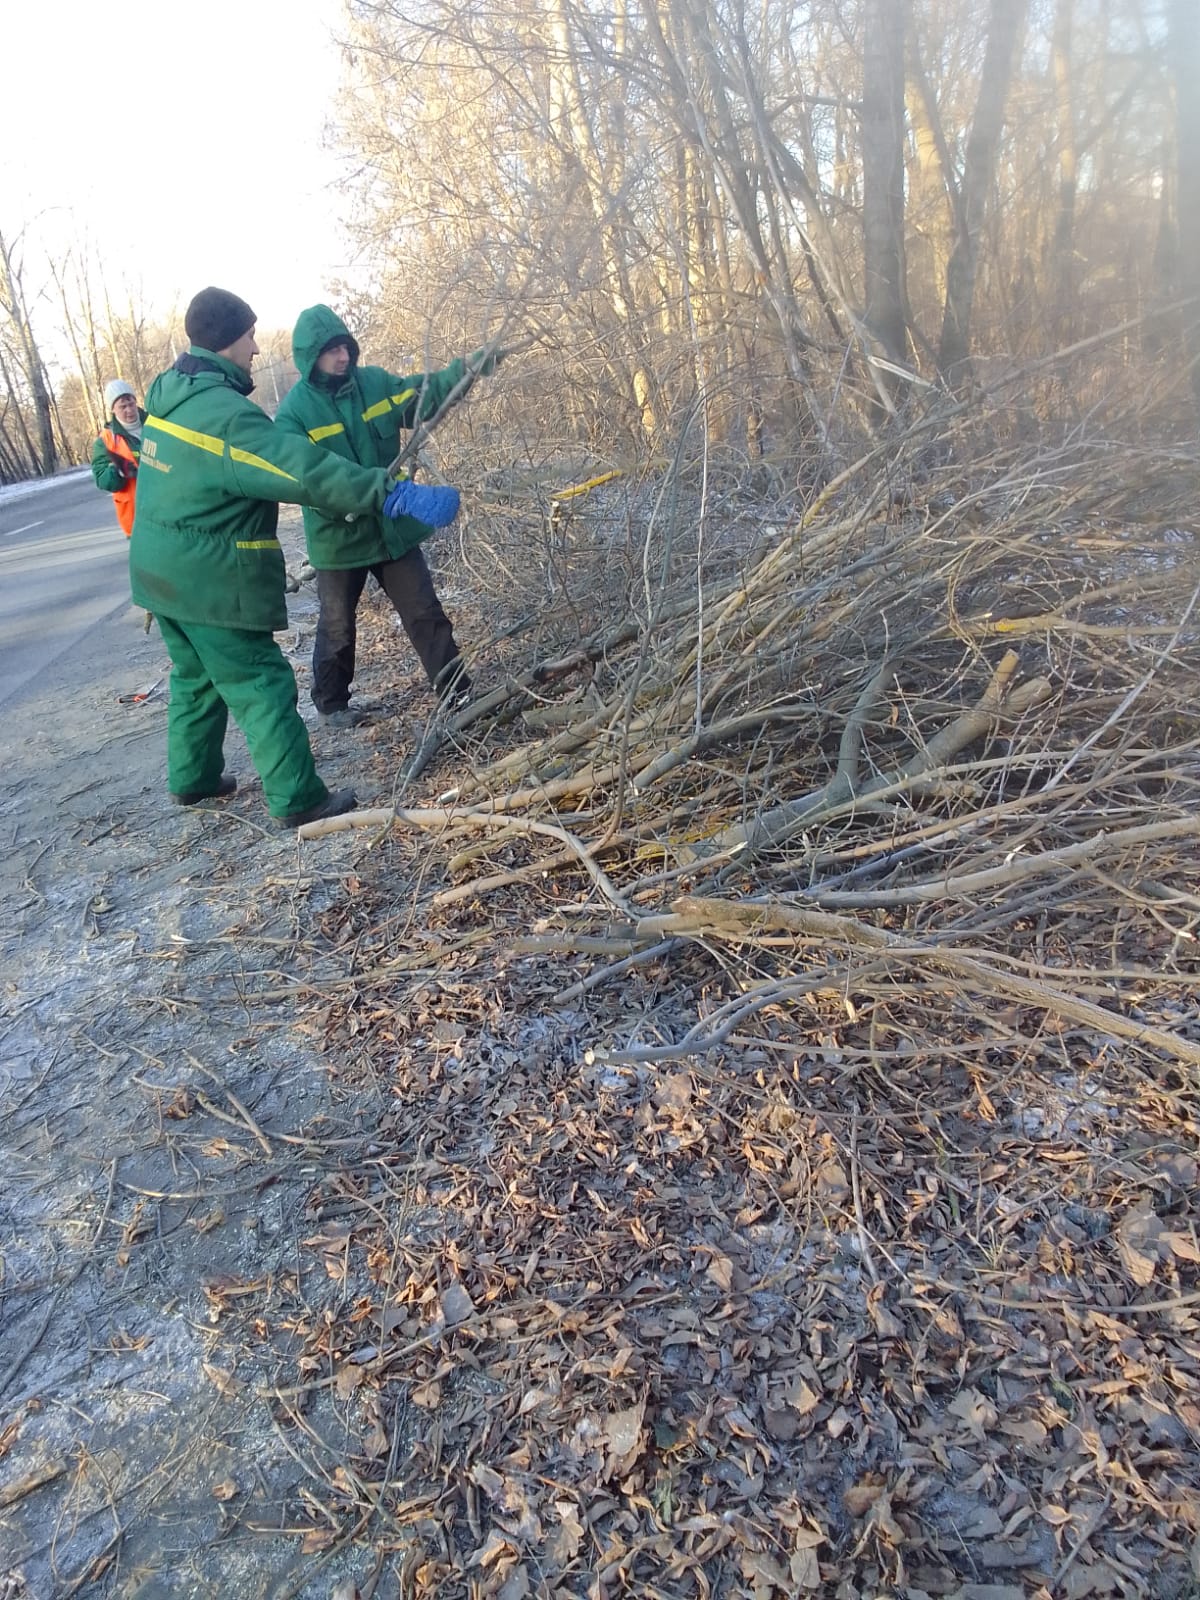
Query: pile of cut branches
[788,1002]
[935,737]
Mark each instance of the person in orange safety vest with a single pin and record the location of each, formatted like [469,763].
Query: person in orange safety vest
[116,452]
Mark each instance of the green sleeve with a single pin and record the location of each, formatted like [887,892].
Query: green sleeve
[428,391]
[265,462]
[107,474]
[288,418]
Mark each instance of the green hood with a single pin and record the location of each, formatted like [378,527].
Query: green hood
[361,420]
[315,327]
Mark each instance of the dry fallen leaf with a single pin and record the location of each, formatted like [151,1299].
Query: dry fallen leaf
[781,1425]
[568,1536]
[317,1539]
[887,1324]
[225,1490]
[623,1429]
[494,1548]
[225,1382]
[805,1400]
[623,1435]
[181,1105]
[488,1479]
[348,1378]
[674,1092]
[457,1305]
[833,1186]
[989,1591]
[860,1497]
[1184,1246]
[976,1410]
[720,1272]
[804,1566]
[1141,1243]
[515,1585]
[766,1575]
[1054,1516]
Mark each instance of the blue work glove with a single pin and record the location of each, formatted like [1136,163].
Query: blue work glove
[435,506]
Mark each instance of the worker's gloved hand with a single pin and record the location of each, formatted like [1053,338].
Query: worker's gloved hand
[431,504]
[485,360]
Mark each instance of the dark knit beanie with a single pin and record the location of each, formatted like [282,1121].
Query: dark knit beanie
[216,319]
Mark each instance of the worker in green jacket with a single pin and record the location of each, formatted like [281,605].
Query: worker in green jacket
[205,559]
[115,452]
[357,412]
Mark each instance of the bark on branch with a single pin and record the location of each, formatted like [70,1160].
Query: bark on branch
[999,700]
[739,920]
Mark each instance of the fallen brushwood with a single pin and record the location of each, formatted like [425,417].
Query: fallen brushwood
[697,917]
[999,701]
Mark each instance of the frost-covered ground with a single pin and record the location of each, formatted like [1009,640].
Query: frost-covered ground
[126,1203]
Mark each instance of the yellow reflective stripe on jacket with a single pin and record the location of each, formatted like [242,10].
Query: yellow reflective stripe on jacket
[257,544]
[202,441]
[379,409]
[257,461]
[330,428]
[215,446]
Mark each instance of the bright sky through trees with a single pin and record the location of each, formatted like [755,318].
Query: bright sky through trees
[181,143]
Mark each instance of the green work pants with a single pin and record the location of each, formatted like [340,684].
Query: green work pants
[216,672]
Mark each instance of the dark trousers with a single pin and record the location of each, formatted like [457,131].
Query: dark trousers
[408,584]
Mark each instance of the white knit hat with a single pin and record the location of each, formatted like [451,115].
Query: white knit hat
[114,389]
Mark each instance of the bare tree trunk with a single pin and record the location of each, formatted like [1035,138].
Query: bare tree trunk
[701,107]
[23,451]
[883,177]
[1005,26]
[59,275]
[1062,273]
[604,180]
[93,370]
[12,296]
[928,209]
[1185,63]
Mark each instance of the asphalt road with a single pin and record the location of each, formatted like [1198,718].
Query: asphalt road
[64,567]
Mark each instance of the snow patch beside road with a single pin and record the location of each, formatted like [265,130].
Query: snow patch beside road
[18,491]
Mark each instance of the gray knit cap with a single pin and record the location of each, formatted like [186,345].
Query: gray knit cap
[113,390]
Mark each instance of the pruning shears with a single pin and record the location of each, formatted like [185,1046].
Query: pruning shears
[139,696]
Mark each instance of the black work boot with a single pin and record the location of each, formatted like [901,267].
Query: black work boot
[345,717]
[226,785]
[453,684]
[333,805]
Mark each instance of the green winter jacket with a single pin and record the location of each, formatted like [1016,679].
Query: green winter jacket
[213,469]
[360,420]
[110,474]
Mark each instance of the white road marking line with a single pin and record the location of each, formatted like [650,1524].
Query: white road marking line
[11,531]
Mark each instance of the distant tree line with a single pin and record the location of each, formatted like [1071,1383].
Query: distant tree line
[800,215]
[789,210]
[46,424]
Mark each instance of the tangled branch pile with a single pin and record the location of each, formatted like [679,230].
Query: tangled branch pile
[791,1033]
[940,734]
